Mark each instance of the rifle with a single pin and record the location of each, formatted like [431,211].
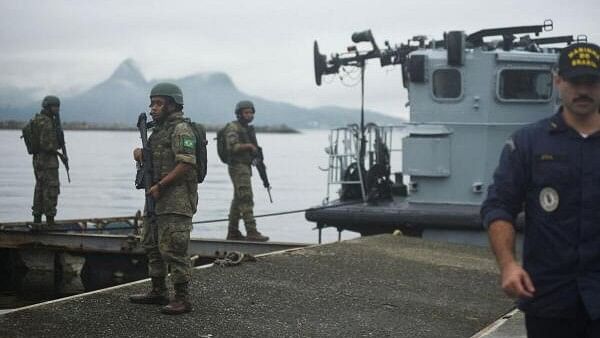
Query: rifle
[259,162]
[60,135]
[143,177]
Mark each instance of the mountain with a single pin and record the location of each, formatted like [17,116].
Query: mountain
[209,98]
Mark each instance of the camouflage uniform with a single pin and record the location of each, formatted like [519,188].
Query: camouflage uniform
[45,166]
[166,240]
[240,172]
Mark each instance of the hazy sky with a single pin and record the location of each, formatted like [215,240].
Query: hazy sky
[265,45]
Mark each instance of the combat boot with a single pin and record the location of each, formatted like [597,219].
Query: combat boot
[180,303]
[235,235]
[37,223]
[50,221]
[255,236]
[158,294]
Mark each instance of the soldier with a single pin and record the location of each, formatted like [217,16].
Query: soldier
[174,190]
[242,149]
[45,161]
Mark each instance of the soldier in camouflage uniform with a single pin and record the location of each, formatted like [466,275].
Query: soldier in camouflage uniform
[242,148]
[166,239]
[45,162]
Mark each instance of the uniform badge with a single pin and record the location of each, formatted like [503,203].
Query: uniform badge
[188,142]
[549,199]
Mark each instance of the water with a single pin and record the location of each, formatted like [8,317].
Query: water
[103,171]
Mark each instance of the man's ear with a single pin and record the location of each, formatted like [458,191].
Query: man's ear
[557,80]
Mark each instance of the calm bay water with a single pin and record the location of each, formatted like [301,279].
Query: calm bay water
[103,172]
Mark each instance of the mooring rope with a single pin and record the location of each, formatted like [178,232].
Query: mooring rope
[273,214]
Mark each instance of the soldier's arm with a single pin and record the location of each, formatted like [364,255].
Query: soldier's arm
[499,212]
[183,143]
[233,142]
[515,280]
[177,172]
[506,194]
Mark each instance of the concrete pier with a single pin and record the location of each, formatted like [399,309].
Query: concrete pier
[379,286]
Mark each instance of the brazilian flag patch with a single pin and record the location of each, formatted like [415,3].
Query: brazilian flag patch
[188,143]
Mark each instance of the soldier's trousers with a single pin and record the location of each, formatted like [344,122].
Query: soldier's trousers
[166,243]
[47,188]
[242,202]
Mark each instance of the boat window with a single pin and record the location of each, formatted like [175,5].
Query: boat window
[447,84]
[525,84]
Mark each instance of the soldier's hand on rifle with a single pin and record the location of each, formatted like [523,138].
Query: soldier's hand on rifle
[137,154]
[62,157]
[251,147]
[154,191]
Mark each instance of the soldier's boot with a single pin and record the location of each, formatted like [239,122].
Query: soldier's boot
[180,303]
[37,223]
[158,294]
[253,235]
[235,235]
[50,221]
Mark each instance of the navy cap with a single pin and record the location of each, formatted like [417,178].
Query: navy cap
[579,59]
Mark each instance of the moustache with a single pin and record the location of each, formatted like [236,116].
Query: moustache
[582,98]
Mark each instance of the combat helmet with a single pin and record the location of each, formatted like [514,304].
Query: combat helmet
[50,100]
[243,105]
[168,89]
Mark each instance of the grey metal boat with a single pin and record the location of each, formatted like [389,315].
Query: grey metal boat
[467,93]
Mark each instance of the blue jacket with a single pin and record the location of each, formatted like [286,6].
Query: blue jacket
[552,173]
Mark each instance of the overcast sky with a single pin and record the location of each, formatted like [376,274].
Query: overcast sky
[265,45]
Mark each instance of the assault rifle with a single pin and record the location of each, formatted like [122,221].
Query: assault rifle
[60,135]
[143,177]
[259,162]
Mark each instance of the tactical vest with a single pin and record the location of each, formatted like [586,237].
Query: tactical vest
[180,197]
[243,157]
[163,157]
[44,127]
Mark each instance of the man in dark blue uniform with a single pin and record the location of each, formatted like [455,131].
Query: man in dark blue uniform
[551,170]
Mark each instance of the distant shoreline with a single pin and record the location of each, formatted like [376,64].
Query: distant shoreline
[17,125]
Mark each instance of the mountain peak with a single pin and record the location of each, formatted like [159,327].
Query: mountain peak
[218,79]
[128,70]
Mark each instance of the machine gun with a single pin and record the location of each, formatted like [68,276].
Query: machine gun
[143,177]
[357,58]
[60,135]
[454,41]
[259,162]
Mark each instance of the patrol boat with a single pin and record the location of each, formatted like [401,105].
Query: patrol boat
[467,94]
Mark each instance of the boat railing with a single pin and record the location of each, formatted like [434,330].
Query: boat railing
[344,155]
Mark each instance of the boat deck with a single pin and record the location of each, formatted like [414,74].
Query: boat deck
[381,286]
[388,215]
[385,216]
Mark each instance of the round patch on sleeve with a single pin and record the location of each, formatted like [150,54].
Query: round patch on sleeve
[549,199]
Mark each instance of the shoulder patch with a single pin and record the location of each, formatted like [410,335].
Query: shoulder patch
[188,142]
[233,127]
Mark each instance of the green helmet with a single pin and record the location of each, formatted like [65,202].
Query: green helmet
[168,89]
[50,100]
[243,105]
